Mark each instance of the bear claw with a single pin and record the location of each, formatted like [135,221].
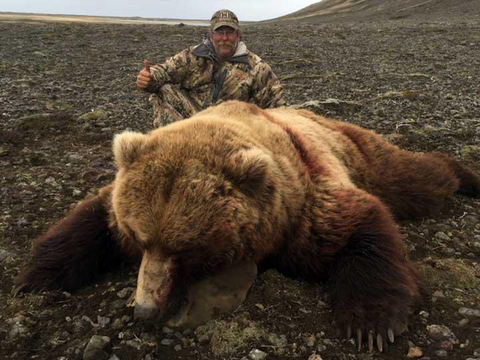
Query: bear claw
[372,339]
[17,290]
[391,336]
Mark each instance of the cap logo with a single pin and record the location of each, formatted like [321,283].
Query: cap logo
[224,15]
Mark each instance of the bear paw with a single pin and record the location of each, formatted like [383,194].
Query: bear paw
[375,325]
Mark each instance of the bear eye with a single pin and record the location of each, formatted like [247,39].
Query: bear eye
[133,236]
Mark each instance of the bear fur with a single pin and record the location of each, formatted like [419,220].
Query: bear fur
[312,197]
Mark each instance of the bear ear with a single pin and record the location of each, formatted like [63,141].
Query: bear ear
[127,147]
[250,169]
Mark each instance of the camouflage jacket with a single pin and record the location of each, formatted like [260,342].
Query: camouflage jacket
[246,77]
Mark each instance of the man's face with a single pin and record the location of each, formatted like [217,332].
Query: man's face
[224,40]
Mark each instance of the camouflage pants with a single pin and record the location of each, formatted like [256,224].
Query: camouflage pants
[171,104]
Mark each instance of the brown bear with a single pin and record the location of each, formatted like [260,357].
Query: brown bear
[313,197]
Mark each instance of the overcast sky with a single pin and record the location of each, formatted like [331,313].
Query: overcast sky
[252,10]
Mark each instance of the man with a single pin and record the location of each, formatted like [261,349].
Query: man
[219,69]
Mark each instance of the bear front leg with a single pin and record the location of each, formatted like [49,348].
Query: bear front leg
[372,287]
[75,250]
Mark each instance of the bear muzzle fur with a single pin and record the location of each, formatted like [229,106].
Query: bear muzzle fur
[155,280]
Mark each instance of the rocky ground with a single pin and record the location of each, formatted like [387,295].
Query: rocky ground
[66,89]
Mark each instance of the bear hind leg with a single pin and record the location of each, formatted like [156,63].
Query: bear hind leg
[469,182]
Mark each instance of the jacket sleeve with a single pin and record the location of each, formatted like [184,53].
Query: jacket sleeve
[172,71]
[267,90]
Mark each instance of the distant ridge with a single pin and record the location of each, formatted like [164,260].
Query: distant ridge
[351,10]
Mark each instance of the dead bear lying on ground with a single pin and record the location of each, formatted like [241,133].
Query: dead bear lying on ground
[313,197]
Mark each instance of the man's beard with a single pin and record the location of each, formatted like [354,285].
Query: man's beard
[226,43]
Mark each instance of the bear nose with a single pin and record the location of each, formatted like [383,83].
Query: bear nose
[142,312]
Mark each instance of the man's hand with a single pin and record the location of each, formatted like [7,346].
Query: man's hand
[144,76]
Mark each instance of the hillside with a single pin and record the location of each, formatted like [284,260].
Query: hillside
[360,10]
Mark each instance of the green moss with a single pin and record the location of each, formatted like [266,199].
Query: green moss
[226,338]
[449,273]
[94,115]
[37,122]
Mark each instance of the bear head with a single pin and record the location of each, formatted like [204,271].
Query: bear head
[192,202]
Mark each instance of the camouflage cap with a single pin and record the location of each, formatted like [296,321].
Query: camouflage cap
[224,18]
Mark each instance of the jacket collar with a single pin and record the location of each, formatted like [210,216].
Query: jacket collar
[205,49]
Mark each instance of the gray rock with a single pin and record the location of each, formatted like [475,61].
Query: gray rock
[103,321]
[277,341]
[256,354]
[19,329]
[118,324]
[95,349]
[217,294]
[442,236]
[321,348]
[441,333]
[467,312]
[166,342]
[441,353]
[134,343]
[124,293]
[4,255]
[74,158]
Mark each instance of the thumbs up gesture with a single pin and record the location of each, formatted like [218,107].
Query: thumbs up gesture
[144,76]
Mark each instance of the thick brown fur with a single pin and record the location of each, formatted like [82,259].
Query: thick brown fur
[77,249]
[313,196]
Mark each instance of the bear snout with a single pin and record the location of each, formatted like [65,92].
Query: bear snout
[155,280]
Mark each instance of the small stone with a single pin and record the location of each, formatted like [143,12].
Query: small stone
[122,294]
[321,348]
[167,330]
[441,333]
[277,341]
[74,158]
[314,357]
[327,342]
[424,314]
[118,304]
[177,348]
[441,353]
[467,312]
[18,330]
[442,236]
[134,343]
[446,345]
[4,255]
[463,322]
[103,321]
[166,342]
[414,352]
[118,324]
[310,340]
[95,349]
[256,354]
